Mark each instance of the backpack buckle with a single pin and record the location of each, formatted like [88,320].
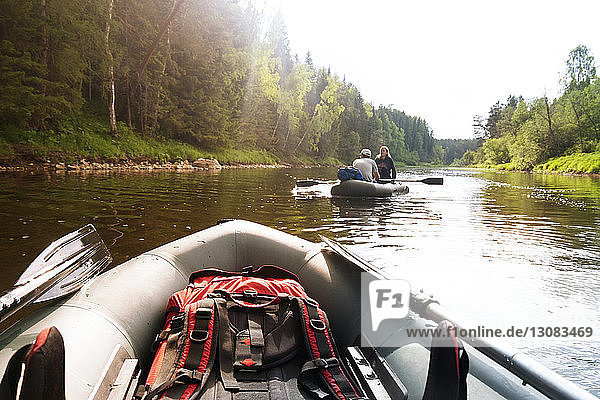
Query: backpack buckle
[250,293]
[218,293]
[177,322]
[204,313]
[158,339]
[326,362]
[317,324]
[186,375]
[198,336]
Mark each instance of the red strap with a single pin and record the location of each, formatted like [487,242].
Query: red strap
[456,351]
[40,340]
[325,350]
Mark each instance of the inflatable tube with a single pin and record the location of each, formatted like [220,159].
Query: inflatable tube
[124,308]
[354,188]
[126,305]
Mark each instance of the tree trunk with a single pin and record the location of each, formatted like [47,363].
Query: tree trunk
[578,121]
[276,125]
[162,74]
[306,130]
[111,74]
[162,32]
[128,102]
[145,112]
[44,58]
[45,41]
[90,81]
[286,138]
[38,121]
[550,133]
[301,140]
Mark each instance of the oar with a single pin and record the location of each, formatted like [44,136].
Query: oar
[354,258]
[313,182]
[427,181]
[59,270]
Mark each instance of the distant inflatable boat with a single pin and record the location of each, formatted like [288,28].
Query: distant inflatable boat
[355,188]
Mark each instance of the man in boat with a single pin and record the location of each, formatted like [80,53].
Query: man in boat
[366,166]
[385,164]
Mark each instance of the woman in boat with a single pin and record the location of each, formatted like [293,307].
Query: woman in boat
[385,164]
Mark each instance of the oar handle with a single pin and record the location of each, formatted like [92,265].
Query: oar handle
[427,181]
[313,182]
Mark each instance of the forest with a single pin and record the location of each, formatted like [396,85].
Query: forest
[543,134]
[212,74]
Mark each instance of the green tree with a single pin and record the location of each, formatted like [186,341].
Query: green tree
[318,131]
[296,89]
[454,149]
[259,106]
[496,151]
[581,69]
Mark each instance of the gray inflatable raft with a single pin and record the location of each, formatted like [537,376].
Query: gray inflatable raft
[355,188]
[121,311]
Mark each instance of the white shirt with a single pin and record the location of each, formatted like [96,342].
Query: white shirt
[367,168]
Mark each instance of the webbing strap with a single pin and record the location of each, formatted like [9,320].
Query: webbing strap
[225,341]
[198,335]
[323,353]
[464,371]
[249,344]
[247,356]
[172,391]
[250,386]
[255,329]
[199,350]
[175,327]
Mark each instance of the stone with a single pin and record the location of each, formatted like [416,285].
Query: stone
[203,163]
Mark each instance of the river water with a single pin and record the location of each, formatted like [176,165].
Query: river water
[501,249]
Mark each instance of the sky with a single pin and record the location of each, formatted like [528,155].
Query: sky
[444,61]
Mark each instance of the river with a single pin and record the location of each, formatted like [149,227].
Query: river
[502,249]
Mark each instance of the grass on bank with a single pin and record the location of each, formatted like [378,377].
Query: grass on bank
[578,163]
[89,139]
[586,163]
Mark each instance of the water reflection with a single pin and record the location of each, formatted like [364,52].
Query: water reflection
[500,248]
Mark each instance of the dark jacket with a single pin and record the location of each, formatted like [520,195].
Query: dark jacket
[386,167]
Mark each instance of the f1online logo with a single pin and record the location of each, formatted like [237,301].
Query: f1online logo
[389,300]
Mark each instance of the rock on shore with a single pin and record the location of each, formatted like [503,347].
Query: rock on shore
[83,165]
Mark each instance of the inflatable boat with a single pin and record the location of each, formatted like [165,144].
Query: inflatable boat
[110,320]
[356,188]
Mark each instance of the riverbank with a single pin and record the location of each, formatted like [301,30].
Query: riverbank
[92,149]
[573,164]
[84,166]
